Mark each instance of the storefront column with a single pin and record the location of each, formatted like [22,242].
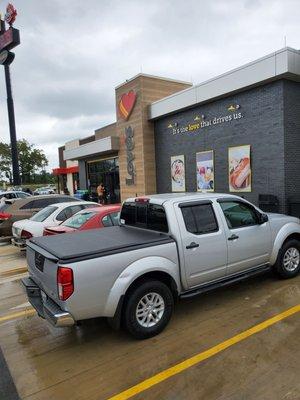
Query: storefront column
[70,185]
[83,183]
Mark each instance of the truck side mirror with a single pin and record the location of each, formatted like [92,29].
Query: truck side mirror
[262,218]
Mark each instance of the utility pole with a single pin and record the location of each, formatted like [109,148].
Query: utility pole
[9,38]
[12,128]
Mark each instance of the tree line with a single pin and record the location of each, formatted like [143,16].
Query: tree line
[32,163]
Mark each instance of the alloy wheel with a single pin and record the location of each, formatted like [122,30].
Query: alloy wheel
[150,310]
[291,259]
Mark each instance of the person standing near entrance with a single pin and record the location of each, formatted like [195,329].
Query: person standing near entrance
[101,193]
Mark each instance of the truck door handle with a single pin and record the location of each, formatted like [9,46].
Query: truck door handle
[192,245]
[233,237]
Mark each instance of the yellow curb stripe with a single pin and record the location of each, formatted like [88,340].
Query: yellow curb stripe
[176,369]
[19,314]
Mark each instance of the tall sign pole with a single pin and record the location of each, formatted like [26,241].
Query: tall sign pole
[10,38]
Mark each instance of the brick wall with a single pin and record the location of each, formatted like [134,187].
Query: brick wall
[109,130]
[261,126]
[292,138]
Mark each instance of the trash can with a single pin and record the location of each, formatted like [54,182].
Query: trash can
[268,203]
[294,206]
[82,194]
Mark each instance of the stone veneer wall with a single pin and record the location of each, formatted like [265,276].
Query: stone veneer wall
[148,89]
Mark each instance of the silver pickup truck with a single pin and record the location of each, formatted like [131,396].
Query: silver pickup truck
[166,247]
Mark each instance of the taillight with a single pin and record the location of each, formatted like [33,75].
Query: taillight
[25,234]
[5,216]
[65,282]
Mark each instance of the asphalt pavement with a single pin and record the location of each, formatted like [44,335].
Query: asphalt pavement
[237,343]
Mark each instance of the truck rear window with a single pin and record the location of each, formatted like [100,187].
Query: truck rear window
[145,215]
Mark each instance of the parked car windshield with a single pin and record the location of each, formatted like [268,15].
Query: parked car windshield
[43,214]
[79,219]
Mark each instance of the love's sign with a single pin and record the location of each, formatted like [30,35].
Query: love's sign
[9,39]
[126,104]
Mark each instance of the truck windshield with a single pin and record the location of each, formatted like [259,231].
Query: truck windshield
[144,215]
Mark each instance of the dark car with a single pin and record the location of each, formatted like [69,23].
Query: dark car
[14,210]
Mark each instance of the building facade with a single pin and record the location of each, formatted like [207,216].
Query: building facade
[238,132]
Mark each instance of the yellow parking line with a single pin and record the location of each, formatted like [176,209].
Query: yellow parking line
[176,369]
[24,313]
[14,271]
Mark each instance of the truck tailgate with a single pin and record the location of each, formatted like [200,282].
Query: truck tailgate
[43,270]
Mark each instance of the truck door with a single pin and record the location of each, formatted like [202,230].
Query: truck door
[249,243]
[203,242]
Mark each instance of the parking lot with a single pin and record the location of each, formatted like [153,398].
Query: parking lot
[208,344]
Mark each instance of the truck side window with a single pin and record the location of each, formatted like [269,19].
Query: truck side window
[238,214]
[199,219]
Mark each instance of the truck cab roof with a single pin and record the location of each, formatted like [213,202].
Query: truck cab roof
[175,197]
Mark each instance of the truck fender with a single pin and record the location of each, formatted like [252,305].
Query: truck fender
[134,271]
[286,231]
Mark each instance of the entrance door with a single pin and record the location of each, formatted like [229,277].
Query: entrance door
[203,242]
[249,243]
[106,172]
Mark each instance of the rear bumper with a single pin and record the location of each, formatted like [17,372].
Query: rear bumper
[46,308]
[21,243]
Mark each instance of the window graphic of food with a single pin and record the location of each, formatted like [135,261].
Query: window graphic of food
[240,169]
[205,170]
[177,173]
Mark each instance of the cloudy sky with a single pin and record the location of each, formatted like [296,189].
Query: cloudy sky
[73,53]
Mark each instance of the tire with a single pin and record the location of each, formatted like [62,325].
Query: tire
[148,309]
[288,260]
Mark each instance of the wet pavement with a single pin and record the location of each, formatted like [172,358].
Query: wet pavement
[93,362]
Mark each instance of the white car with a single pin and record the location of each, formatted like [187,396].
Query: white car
[13,194]
[52,215]
[44,190]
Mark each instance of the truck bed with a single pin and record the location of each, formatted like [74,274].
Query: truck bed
[99,242]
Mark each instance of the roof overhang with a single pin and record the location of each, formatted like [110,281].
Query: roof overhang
[282,64]
[103,146]
[64,171]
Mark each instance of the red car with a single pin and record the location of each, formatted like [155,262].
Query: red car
[91,218]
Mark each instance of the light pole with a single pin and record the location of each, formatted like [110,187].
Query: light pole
[10,38]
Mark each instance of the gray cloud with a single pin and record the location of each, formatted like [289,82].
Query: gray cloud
[74,53]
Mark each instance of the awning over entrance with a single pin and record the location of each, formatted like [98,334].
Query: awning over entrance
[64,171]
[102,146]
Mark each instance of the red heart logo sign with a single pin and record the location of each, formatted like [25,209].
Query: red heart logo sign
[126,104]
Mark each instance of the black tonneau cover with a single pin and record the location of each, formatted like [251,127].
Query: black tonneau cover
[99,242]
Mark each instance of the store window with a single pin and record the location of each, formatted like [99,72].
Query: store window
[106,172]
